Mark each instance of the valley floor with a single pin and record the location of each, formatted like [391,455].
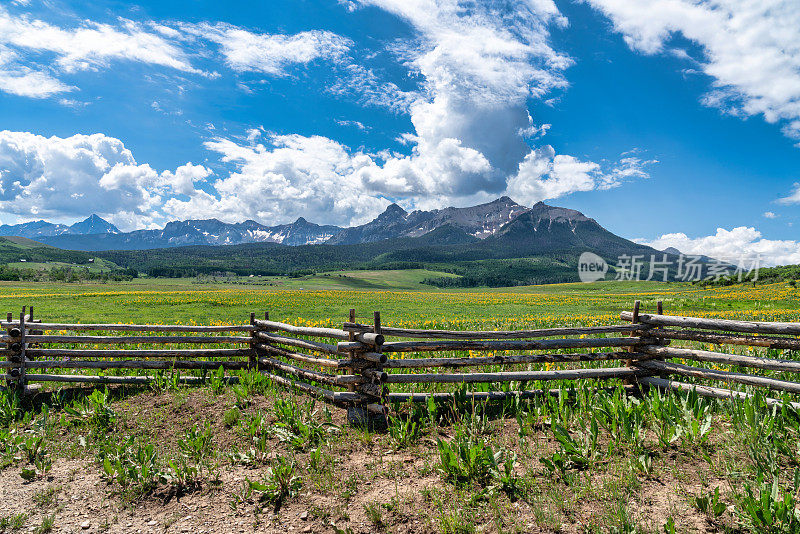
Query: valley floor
[399,295]
[253,457]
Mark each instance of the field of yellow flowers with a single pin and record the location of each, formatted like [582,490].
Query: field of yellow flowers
[184,302]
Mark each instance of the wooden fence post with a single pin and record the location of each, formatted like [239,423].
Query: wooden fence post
[22,382]
[378,366]
[371,411]
[629,363]
[30,389]
[12,346]
[351,336]
[253,357]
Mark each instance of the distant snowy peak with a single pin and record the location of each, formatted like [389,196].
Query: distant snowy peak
[480,221]
[93,224]
[215,232]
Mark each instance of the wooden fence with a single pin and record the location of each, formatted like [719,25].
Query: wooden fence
[357,364]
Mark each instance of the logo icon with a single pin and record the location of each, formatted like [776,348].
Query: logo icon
[591,267]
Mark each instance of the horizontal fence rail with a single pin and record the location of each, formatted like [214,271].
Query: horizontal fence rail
[356,366]
[496,334]
[125,340]
[714,324]
[775,337]
[133,327]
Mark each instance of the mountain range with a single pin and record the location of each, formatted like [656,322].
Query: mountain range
[92,225]
[96,234]
[499,243]
[535,245]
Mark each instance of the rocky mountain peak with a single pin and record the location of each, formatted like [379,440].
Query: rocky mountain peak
[394,211]
[94,224]
[540,210]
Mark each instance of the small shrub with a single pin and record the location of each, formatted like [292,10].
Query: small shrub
[46,526]
[34,453]
[296,424]
[195,460]
[231,417]
[32,449]
[574,454]
[217,381]
[133,467]
[468,460]
[254,427]
[254,383]
[464,460]
[404,431]
[164,382]
[242,397]
[9,407]
[10,445]
[374,514]
[710,504]
[280,482]
[13,522]
[46,497]
[197,444]
[643,463]
[94,411]
[770,508]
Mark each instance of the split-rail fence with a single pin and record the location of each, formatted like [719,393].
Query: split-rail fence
[358,364]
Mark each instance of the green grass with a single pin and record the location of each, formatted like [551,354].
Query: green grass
[409,279]
[24,242]
[397,294]
[596,462]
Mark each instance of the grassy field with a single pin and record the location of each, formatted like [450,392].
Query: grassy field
[399,295]
[253,457]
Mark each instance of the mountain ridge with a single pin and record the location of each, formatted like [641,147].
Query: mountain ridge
[499,243]
[499,222]
[96,234]
[94,224]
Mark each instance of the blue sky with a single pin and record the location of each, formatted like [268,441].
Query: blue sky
[672,121]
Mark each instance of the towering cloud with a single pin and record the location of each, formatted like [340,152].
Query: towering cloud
[66,177]
[477,66]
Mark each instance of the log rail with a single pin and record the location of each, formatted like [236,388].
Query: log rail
[715,334]
[359,364]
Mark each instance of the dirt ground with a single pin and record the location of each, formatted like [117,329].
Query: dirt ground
[364,473]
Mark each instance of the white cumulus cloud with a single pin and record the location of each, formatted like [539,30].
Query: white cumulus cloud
[66,178]
[730,245]
[34,54]
[291,177]
[749,49]
[544,175]
[479,64]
